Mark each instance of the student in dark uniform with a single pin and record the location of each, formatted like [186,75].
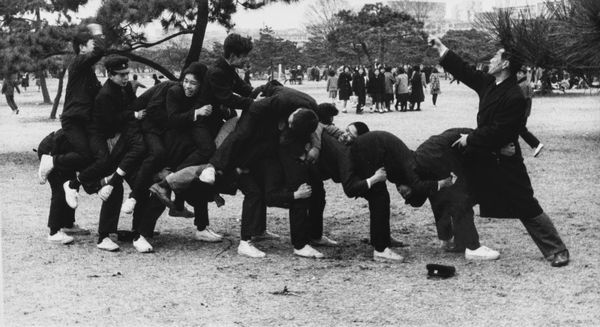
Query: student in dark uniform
[82,88]
[359,89]
[222,85]
[61,218]
[189,137]
[502,183]
[118,145]
[373,150]
[453,206]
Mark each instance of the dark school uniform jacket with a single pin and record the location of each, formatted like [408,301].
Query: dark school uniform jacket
[154,100]
[112,112]
[335,163]
[377,149]
[222,86]
[503,186]
[358,85]
[82,84]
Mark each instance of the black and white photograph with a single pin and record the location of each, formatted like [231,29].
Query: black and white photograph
[300,163]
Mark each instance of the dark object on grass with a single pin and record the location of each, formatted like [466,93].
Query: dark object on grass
[440,271]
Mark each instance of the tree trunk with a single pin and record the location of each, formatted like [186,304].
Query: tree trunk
[61,78]
[199,33]
[44,87]
[149,63]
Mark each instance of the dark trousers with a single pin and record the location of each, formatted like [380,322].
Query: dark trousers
[403,100]
[246,132]
[153,161]
[361,102]
[379,214]
[183,151]
[10,100]
[109,212]
[76,134]
[454,217]
[61,215]
[304,223]
[127,155]
[527,136]
[145,214]
[254,208]
[544,234]
[434,98]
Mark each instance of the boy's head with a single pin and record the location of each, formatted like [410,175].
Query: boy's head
[303,122]
[192,78]
[118,69]
[236,49]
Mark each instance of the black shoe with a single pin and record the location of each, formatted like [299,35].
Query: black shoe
[560,259]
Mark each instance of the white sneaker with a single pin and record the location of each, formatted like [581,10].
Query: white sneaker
[107,245]
[344,110]
[324,241]
[142,245]
[482,253]
[538,150]
[71,195]
[208,175]
[206,236]
[308,252]
[60,237]
[128,205]
[387,255]
[213,232]
[105,192]
[247,248]
[266,235]
[46,165]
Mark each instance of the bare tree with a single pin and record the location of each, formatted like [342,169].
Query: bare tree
[322,18]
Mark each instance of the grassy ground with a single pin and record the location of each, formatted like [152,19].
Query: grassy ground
[188,283]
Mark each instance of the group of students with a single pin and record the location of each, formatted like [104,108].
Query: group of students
[182,141]
[383,84]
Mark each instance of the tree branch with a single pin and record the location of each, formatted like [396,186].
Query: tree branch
[148,45]
[148,63]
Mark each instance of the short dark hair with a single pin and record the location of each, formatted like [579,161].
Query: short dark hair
[361,128]
[305,122]
[135,77]
[514,61]
[197,69]
[326,111]
[401,70]
[237,45]
[331,72]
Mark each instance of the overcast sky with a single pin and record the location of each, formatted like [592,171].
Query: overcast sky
[281,16]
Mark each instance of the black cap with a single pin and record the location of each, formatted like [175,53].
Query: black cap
[440,271]
[117,64]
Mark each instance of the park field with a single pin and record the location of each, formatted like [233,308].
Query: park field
[189,283]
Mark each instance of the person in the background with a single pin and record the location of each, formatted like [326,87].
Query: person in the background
[527,91]
[332,88]
[358,86]
[435,86]
[25,81]
[388,83]
[344,86]
[135,84]
[8,89]
[155,78]
[417,83]
[247,75]
[402,89]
